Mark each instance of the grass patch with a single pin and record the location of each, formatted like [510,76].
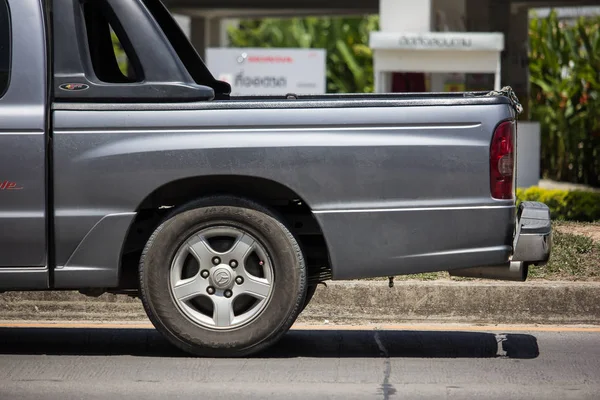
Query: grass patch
[574,257]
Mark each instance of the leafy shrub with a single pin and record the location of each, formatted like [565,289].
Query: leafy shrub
[346,40]
[565,96]
[583,206]
[565,205]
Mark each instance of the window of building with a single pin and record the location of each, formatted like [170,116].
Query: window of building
[5,39]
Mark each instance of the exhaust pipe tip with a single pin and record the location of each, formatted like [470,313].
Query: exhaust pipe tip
[515,271]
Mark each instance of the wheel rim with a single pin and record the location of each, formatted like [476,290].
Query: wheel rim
[221,278]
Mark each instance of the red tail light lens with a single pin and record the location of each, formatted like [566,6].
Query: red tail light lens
[502,161]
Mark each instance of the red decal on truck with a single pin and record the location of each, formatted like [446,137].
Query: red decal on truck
[74,87]
[8,185]
[271,59]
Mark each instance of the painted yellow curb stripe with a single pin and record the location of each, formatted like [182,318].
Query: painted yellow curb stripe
[455,328]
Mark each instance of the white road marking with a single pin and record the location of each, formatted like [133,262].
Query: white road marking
[500,339]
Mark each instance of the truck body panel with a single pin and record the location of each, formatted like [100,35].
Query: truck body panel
[397,183]
[413,179]
[23,138]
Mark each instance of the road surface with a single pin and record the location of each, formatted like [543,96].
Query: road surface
[320,362]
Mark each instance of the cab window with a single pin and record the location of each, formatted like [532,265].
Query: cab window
[5,59]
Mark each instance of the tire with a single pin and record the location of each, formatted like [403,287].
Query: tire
[181,311]
[310,292]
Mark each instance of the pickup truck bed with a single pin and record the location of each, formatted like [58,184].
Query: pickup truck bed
[223,213]
[400,174]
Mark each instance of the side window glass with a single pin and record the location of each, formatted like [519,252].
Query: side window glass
[5,42]
[122,60]
[112,59]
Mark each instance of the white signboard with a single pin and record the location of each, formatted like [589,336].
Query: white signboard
[257,71]
[466,41]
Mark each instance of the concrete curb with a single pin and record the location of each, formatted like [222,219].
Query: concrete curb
[360,302]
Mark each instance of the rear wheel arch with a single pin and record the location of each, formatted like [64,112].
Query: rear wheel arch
[288,206]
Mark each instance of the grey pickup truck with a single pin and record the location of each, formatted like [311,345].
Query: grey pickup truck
[224,213]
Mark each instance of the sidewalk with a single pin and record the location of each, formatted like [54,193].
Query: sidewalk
[362,302]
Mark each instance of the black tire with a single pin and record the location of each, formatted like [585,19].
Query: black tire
[288,288]
[310,292]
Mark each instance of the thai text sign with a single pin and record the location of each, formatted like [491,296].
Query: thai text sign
[257,71]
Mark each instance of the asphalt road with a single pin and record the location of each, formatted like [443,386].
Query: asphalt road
[454,362]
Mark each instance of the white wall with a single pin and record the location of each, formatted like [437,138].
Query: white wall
[405,15]
[449,16]
[528,153]
[185,23]
[425,16]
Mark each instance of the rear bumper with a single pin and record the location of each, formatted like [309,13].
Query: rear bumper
[533,238]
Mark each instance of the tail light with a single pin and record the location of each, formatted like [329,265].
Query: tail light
[502,161]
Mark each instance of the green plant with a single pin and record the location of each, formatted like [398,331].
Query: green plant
[565,96]
[575,205]
[119,53]
[574,257]
[582,206]
[346,39]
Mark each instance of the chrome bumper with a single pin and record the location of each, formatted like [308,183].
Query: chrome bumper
[533,237]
